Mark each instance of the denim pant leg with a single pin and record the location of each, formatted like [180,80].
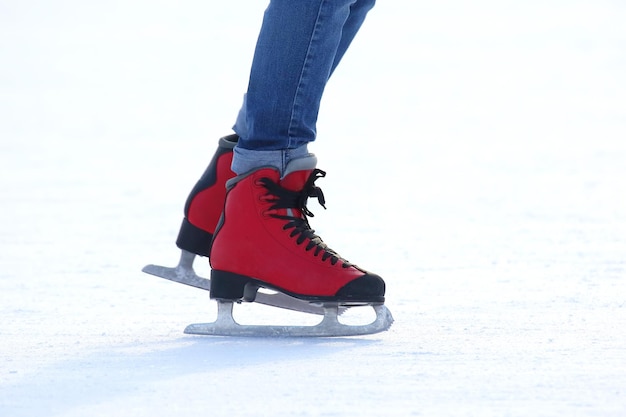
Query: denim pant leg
[300,44]
[358,11]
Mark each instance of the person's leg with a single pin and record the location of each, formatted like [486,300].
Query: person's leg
[299,46]
[206,200]
[358,12]
[264,238]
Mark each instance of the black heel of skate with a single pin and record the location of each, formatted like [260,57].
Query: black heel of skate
[193,239]
[232,287]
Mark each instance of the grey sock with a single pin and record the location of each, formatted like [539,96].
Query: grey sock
[246,160]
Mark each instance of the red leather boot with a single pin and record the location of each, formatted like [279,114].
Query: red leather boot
[264,240]
[206,201]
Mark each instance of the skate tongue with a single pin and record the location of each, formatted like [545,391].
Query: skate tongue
[297,172]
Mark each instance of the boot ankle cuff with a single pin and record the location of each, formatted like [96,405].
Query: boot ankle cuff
[246,160]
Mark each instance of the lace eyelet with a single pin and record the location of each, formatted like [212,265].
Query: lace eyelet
[259,182]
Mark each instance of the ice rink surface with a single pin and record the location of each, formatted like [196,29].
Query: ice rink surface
[476,159]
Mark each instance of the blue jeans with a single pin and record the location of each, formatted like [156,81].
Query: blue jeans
[300,44]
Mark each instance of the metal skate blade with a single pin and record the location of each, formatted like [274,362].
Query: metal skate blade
[184,273]
[225,325]
[178,274]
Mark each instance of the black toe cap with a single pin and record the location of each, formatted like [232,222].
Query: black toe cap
[368,288]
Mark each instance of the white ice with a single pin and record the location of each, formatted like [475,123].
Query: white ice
[476,159]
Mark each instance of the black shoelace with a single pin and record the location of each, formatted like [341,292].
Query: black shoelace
[282,198]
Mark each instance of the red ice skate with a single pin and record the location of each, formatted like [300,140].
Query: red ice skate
[265,241]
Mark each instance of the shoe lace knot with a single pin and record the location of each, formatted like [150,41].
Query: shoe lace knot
[283,198]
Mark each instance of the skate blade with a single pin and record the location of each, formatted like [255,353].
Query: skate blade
[184,273]
[225,325]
